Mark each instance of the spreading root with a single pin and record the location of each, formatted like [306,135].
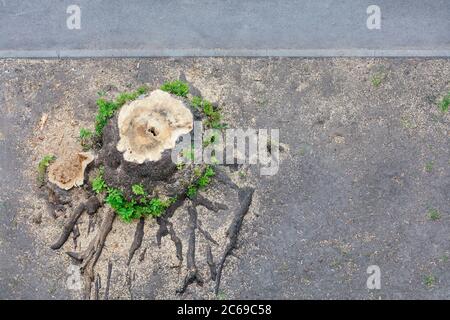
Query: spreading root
[88,258]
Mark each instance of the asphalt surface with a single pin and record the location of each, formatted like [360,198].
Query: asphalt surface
[39,28]
[365,165]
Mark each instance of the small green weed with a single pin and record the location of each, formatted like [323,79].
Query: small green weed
[86,138]
[99,184]
[429,166]
[213,115]
[106,108]
[132,209]
[138,190]
[444,103]
[177,87]
[42,167]
[430,280]
[377,79]
[434,214]
[203,180]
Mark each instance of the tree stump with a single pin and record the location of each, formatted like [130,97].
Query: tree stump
[139,140]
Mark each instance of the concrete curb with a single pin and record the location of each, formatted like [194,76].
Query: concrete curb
[123,53]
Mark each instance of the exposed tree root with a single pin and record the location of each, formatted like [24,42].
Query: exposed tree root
[245,199]
[68,227]
[222,177]
[177,242]
[210,262]
[137,241]
[166,227]
[91,223]
[97,287]
[57,197]
[206,234]
[163,221]
[192,274]
[208,204]
[108,281]
[142,255]
[89,257]
[75,235]
[130,280]
[91,205]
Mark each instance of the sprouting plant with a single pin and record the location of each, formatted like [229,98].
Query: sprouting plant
[189,153]
[106,108]
[138,190]
[115,198]
[429,166]
[211,139]
[444,103]
[141,90]
[157,206]
[430,280]
[191,191]
[42,167]
[197,172]
[377,79]
[209,172]
[85,133]
[177,87]
[99,184]
[212,113]
[85,138]
[203,180]
[196,102]
[434,214]
[134,208]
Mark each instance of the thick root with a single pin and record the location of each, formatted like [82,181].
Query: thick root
[91,206]
[192,275]
[137,241]
[90,256]
[245,199]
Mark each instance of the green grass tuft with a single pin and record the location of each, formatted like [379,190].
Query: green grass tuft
[99,184]
[444,103]
[434,214]
[85,133]
[42,167]
[377,79]
[430,280]
[86,138]
[107,109]
[203,180]
[177,87]
[138,190]
[429,166]
[213,115]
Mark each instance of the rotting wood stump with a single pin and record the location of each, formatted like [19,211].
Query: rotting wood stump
[138,141]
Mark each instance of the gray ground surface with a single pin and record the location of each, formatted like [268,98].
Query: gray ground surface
[353,191]
[232,27]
